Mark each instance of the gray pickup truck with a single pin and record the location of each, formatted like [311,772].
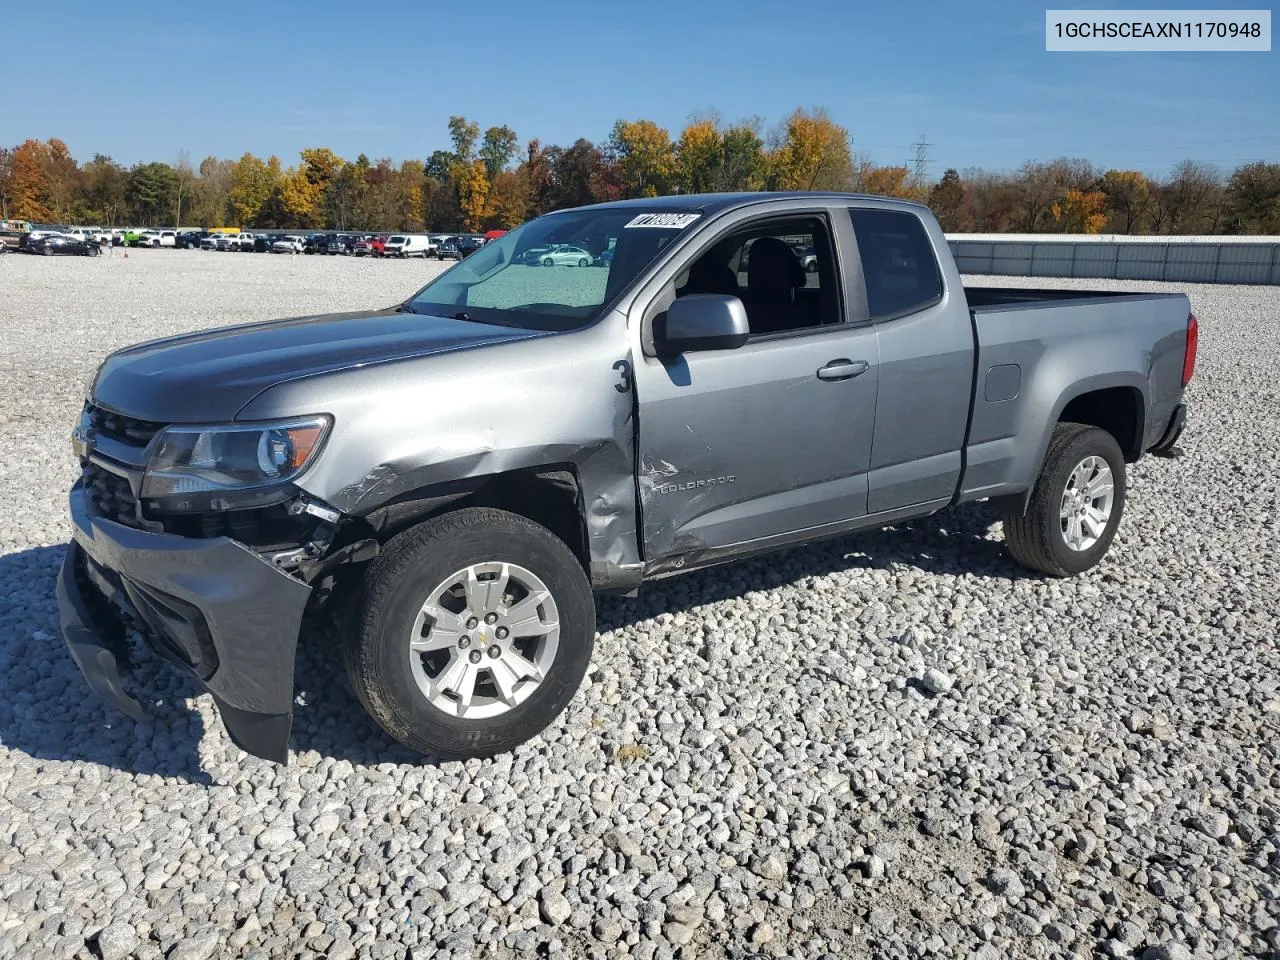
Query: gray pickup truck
[455,475]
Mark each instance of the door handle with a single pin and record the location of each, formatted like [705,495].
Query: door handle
[843,369]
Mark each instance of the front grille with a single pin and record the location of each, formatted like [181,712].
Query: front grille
[117,426]
[110,494]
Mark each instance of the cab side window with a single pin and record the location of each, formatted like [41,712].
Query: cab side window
[898,262]
[783,270]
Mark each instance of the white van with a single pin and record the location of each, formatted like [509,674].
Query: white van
[407,245]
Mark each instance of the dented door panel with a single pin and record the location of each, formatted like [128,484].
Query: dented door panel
[737,445]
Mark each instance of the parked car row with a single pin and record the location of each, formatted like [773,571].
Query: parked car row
[442,246]
[399,245]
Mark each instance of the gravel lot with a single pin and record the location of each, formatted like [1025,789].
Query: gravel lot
[895,745]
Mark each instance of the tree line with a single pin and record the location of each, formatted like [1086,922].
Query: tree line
[489,180]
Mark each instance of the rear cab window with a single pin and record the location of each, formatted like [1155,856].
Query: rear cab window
[898,262]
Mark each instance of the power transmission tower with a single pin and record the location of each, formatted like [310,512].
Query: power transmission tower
[920,165]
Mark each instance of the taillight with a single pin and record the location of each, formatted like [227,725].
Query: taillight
[1193,341]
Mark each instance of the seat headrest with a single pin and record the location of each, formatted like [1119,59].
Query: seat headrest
[773,270]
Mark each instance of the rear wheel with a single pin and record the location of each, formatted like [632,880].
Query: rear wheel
[474,632]
[1076,505]
[583,262]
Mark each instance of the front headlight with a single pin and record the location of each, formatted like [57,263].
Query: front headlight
[234,456]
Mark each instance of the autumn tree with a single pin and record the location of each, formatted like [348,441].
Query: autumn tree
[1128,196]
[712,158]
[1080,211]
[698,155]
[886,182]
[473,195]
[29,184]
[410,195]
[994,201]
[62,182]
[811,152]
[508,204]
[1041,185]
[950,203]
[536,167]
[251,186]
[644,156]
[576,174]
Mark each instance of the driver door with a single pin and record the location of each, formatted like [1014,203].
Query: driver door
[743,446]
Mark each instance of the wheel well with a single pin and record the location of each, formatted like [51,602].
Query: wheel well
[549,496]
[1117,410]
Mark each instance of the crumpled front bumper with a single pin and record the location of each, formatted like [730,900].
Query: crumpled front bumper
[211,605]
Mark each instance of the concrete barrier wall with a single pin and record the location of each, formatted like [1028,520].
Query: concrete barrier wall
[1191,259]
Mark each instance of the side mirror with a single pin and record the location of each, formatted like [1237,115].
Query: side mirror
[704,321]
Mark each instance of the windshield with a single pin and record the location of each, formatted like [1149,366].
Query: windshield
[545,275]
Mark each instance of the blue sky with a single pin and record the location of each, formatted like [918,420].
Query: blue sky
[147,81]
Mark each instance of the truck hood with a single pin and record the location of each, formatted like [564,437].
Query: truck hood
[210,375]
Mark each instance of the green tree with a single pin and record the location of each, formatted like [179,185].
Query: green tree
[950,204]
[1128,196]
[6,180]
[211,199]
[742,162]
[1253,199]
[498,149]
[149,193]
[104,184]
[464,135]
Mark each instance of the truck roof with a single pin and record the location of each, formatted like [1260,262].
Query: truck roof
[716,202]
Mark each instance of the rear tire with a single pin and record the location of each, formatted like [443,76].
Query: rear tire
[1078,455]
[417,698]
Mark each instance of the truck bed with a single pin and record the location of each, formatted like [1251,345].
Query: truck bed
[1035,347]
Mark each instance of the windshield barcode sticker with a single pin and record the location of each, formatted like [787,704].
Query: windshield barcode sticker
[667,221]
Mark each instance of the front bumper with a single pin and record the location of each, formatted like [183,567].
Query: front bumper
[213,606]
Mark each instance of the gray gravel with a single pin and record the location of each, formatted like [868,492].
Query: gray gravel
[895,745]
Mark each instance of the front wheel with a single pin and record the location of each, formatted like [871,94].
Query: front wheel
[1076,505]
[584,262]
[548,262]
[474,633]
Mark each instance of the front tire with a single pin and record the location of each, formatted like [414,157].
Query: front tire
[473,634]
[1076,505]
